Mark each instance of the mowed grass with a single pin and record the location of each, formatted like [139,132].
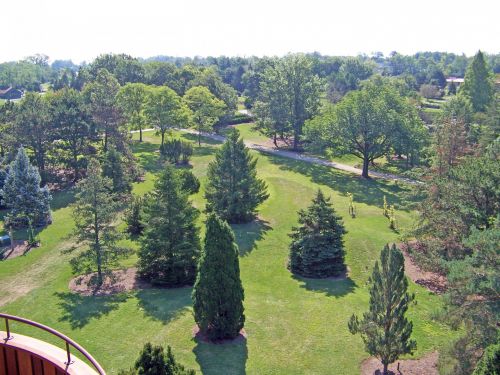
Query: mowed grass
[294,325]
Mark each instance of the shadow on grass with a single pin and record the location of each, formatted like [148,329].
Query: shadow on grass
[194,138]
[247,235]
[164,304]
[227,358]
[148,156]
[79,310]
[331,287]
[368,191]
[62,199]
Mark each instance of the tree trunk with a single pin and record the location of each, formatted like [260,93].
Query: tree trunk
[140,133]
[199,137]
[366,163]
[295,139]
[75,167]
[275,141]
[106,141]
[162,139]
[385,368]
[98,249]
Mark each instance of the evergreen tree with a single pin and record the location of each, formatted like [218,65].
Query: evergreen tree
[218,294]
[114,168]
[478,83]
[22,193]
[190,182]
[490,361]
[384,328]
[317,248]
[95,214]
[154,361]
[133,217]
[171,243]
[452,88]
[233,189]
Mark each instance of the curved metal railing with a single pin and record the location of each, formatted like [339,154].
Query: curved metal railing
[65,338]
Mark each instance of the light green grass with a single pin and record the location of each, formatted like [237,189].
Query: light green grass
[294,325]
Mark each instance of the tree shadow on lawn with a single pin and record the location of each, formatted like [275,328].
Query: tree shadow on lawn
[78,310]
[148,156]
[227,358]
[194,138]
[247,235]
[331,287]
[164,304]
[369,191]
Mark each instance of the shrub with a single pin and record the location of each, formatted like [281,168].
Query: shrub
[489,364]
[177,151]
[189,182]
[133,217]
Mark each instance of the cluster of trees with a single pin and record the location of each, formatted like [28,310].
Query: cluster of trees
[458,230]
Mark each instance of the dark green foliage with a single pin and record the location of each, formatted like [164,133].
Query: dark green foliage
[218,294]
[177,151]
[384,328]
[190,182]
[317,248]
[133,216]
[233,190]
[95,214]
[115,169]
[490,362]
[171,243]
[22,194]
[452,88]
[478,83]
[154,361]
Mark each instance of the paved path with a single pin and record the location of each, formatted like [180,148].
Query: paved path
[298,156]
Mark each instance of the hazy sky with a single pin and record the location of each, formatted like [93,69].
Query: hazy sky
[82,29]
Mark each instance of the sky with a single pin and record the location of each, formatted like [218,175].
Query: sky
[83,29]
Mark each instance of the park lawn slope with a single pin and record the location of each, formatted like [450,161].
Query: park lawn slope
[294,325]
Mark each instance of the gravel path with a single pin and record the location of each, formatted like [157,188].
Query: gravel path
[298,156]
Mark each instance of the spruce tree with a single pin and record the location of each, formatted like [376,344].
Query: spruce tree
[154,361]
[233,189]
[95,214]
[317,248]
[114,168]
[218,293]
[23,195]
[384,328]
[478,83]
[133,216]
[171,244]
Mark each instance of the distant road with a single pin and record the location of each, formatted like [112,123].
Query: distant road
[297,156]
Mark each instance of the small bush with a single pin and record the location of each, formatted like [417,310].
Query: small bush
[133,217]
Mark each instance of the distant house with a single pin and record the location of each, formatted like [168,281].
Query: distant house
[7,92]
[455,80]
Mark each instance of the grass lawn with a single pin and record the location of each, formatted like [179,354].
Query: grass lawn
[294,325]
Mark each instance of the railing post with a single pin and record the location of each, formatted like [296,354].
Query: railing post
[7,329]
[69,361]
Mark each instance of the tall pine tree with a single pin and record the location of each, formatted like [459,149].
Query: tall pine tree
[233,189]
[22,193]
[478,83]
[384,328]
[218,294]
[317,248]
[171,244]
[95,215]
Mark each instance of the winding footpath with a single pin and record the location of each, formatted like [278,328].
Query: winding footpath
[298,156]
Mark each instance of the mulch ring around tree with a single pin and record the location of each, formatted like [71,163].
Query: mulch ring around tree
[432,281]
[427,365]
[199,336]
[21,247]
[117,282]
